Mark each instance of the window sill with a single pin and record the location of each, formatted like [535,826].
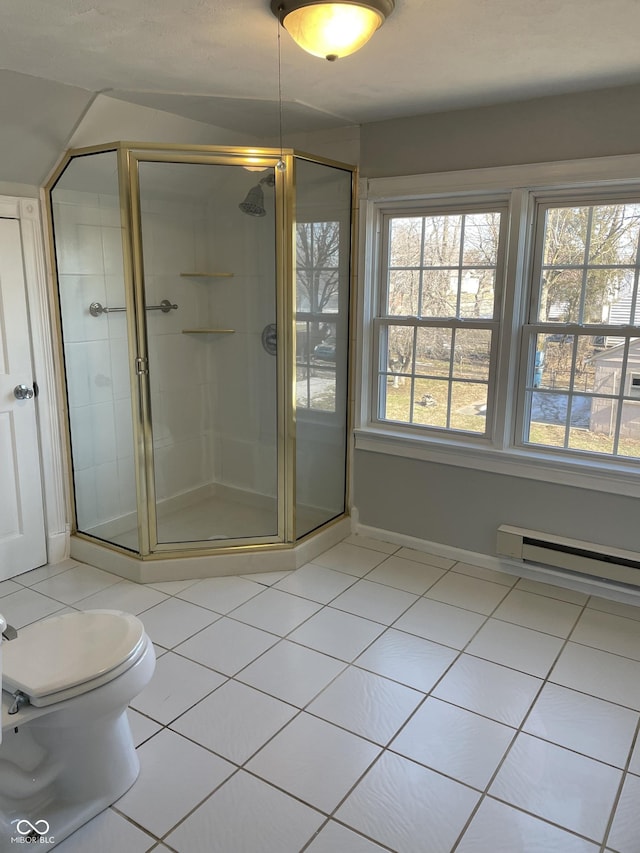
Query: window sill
[529,464]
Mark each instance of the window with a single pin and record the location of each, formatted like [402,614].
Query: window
[503,307]
[581,342]
[439,319]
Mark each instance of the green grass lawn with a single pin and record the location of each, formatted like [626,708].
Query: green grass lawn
[468,395]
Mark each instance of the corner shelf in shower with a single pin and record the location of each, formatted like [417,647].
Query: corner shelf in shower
[206,275]
[208,331]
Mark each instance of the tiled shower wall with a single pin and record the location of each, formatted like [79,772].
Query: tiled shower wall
[181,378]
[89,261]
[244,415]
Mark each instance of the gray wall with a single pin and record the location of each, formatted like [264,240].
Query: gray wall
[564,127]
[462,507]
[37,118]
[458,506]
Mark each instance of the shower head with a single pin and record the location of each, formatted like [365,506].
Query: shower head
[253,205]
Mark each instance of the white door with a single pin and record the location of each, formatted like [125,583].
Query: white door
[22,532]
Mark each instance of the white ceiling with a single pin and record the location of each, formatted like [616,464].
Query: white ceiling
[216,60]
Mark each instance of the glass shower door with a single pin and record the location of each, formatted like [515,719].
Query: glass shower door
[88,239]
[208,273]
[323,258]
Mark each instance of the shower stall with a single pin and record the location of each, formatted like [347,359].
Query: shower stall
[203,310]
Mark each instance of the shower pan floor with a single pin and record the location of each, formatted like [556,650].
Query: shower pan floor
[213,519]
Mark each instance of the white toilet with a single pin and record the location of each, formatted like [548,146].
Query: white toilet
[66,751]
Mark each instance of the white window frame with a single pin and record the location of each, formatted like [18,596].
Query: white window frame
[381,319]
[599,195]
[523,185]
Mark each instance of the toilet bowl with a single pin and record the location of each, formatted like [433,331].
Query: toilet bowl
[66,751]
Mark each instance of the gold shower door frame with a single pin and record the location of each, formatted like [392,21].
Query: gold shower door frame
[129,155]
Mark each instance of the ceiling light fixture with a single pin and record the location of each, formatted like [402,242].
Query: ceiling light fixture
[329,29]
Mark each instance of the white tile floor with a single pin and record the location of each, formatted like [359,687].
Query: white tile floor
[378,698]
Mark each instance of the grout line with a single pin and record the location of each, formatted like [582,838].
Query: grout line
[115,810]
[623,780]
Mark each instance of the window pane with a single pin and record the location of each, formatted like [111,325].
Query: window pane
[585,368]
[468,406]
[618,298]
[549,409]
[629,443]
[593,424]
[547,435]
[405,241]
[442,240]
[472,354]
[554,367]
[400,348]
[608,364]
[546,422]
[594,289]
[580,439]
[430,402]
[439,293]
[477,293]
[560,296]
[404,293]
[598,294]
[554,357]
[433,352]
[614,234]
[602,418]
[397,398]
[565,235]
[481,238]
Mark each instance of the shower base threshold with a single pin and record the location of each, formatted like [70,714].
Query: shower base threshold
[243,561]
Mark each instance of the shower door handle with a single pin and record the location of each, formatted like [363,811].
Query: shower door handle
[23,392]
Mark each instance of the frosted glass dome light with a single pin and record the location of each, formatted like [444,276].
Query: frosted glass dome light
[331,30]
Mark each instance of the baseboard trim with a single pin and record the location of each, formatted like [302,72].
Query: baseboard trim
[58,546]
[542,574]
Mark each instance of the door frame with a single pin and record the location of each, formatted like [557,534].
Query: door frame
[38,295]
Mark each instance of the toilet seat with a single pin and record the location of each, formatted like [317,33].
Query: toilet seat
[65,656]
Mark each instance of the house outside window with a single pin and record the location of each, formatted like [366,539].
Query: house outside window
[633,389]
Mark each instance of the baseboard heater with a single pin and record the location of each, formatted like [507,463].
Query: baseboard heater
[585,558]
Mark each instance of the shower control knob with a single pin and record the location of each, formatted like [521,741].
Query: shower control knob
[23,392]
[270,338]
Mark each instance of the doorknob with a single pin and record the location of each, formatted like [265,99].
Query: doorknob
[23,392]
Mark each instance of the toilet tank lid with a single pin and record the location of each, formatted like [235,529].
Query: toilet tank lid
[68,650]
